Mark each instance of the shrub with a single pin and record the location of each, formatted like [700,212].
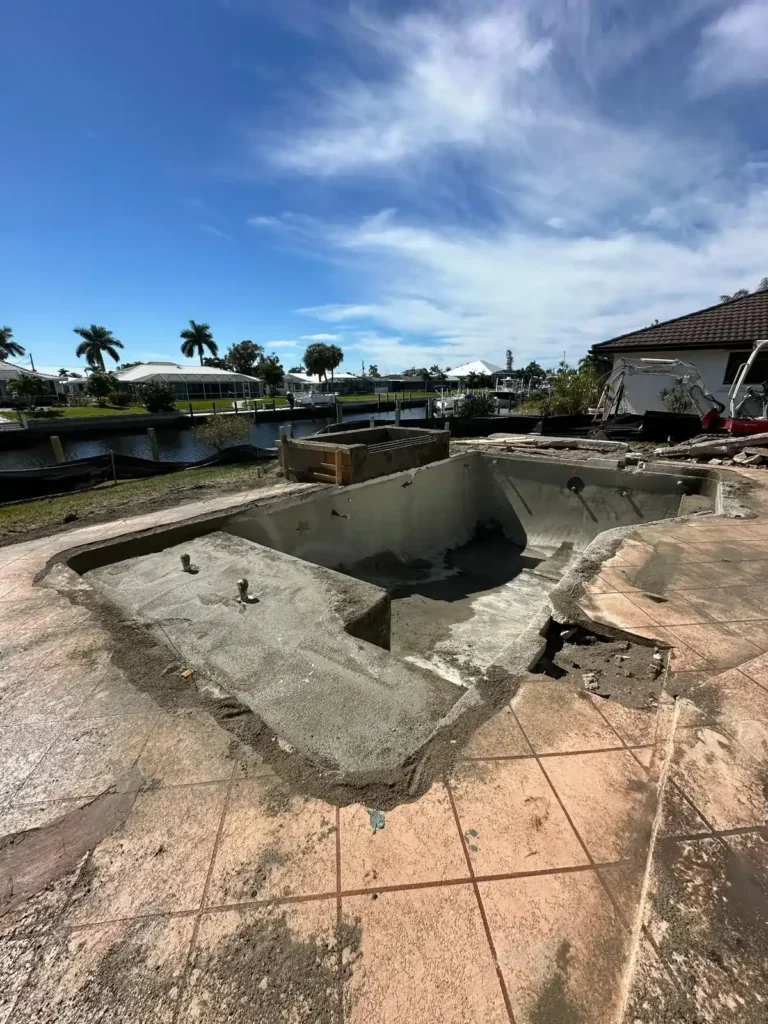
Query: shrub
[100,385]
[157,396]
[573,391]
[477,405]
[119,399]
[27,390]
[223,431]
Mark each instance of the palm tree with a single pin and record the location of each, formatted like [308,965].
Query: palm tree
[96,341]
[9,347]
[198,338]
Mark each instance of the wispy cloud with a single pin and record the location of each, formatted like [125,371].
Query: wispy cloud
[525,197]
[733,50]
[279,344]
[319,337]
[216,232]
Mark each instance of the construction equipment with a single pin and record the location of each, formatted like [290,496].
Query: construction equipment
[747,410]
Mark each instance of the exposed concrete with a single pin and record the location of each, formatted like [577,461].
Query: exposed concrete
[309,656]
[337,699]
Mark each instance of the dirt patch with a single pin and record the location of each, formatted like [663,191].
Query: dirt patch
[710,913]
[265,974]
[629,673]
[32,860]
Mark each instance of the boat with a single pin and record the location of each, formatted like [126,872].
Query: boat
[304,399]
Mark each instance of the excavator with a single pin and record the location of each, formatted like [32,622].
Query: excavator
[745,414]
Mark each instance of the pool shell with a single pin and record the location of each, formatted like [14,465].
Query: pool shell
[310,659]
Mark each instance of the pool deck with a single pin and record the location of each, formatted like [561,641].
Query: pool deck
[584,863]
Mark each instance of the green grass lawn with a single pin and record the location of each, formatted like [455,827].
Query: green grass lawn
[78,411]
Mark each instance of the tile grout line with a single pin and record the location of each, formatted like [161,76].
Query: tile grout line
[557,753]
[576,832]
[445,883]
[740,668]
[481,907]
[624,745]
[184,981]
[339,950]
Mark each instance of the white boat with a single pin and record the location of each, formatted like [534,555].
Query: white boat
[449,404]
[302,399]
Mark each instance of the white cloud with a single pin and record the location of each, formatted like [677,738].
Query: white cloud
[531,213]
[319,337]
[733,50]
[448,81]
[216,232]
[473,295]
[279,344]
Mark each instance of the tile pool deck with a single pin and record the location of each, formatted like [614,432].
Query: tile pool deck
[583,862]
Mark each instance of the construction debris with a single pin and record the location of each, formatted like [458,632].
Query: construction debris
[717,446]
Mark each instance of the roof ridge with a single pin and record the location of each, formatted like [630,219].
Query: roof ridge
[724,307]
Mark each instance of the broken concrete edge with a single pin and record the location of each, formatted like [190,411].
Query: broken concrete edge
[565,597]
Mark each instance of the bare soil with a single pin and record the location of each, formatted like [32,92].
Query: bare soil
[629,673]
[42,517]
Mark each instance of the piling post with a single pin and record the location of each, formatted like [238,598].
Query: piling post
[283,450]
[372,421]
[114,471]
[338,412]
[398,409]
[155,448]
[58,451]
[191,412]
[213,404]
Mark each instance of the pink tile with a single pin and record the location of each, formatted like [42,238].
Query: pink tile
[720,778]
[144,962]
[273,844]
[420,842]
[670,610]
[157,861]
[609,799]
[511,819]
[560,945]
[424,958]
[717,644]
[271,964]
[615,610]
[499,736]
[556,718]
[632,725]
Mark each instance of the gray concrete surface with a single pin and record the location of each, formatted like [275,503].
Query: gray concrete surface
[305,659]
[334,697]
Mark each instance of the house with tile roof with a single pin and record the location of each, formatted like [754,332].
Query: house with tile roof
[717,340]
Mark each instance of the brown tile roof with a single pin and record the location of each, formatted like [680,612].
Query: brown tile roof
[728,325]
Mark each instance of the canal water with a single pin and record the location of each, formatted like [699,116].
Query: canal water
[175,445]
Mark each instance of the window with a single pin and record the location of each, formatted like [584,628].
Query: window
[758,372]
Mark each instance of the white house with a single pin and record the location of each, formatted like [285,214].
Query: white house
[717,340]
[479,366]
[190,381]
[342,383]
[9,372]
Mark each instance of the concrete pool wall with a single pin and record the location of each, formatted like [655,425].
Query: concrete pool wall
[421,513]
[309,658]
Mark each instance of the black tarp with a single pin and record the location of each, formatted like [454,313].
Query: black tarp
[15,485]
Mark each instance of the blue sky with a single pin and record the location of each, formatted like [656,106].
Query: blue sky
[420,183]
